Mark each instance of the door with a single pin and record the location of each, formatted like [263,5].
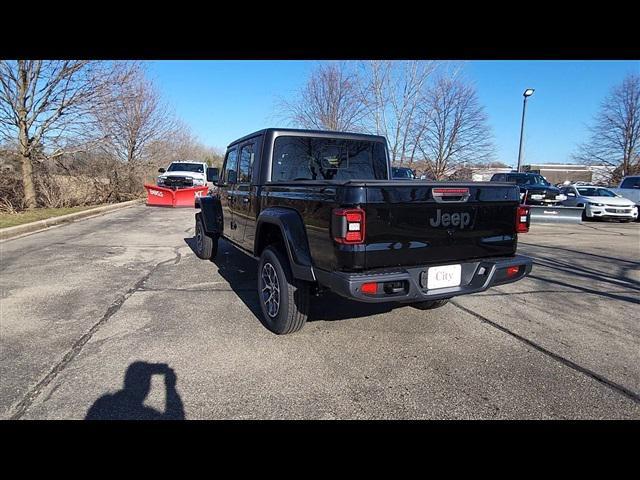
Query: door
[244,207]
[571,201]
[226,186]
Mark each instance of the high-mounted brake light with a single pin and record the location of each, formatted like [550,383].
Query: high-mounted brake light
[453,192]
[347,225]
[523,219]
[450,194]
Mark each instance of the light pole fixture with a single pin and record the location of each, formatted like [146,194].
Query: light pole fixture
[527,93]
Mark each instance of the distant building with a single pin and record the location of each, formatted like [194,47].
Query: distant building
[485,174]
[562,172]
[601,174]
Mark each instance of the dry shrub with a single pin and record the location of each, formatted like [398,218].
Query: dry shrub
[11,193]
[78,190]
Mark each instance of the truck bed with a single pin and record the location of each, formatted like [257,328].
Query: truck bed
[405,225]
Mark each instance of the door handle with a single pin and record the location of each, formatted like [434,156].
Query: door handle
[245,200]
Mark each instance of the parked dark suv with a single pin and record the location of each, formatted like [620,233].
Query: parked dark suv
[534,188]
[403,173]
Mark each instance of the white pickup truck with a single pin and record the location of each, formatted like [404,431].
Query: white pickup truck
[629,188]
[183,174]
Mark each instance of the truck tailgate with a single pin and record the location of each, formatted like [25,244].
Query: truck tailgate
[417,223]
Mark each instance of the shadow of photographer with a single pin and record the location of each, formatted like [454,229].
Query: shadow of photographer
[128,403]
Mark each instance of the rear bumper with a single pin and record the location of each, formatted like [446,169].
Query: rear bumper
[477,276]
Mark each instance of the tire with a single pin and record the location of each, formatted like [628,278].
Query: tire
[284,301]
[430,304]
[206,246]
[584,216]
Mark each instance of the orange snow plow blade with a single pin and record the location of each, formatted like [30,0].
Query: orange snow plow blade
[166,197]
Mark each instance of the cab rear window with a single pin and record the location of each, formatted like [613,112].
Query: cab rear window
[316,158]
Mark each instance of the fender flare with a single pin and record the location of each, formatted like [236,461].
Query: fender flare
[294,234]
[211,212]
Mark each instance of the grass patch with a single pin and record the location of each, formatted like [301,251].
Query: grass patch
[13,219]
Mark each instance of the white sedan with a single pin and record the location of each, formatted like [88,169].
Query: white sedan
[599,202]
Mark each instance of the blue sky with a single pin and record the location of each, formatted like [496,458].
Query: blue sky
[224,100]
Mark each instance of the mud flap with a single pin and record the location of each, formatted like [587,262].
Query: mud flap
[555,214]
[167,197]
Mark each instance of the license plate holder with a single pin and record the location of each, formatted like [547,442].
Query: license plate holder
[444,276]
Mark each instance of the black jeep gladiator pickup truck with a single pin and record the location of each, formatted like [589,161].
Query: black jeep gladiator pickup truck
[321,212]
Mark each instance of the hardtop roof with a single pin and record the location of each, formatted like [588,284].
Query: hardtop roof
[187,161]
[337,134]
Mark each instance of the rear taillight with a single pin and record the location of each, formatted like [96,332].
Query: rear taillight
[347,225]
[522,219]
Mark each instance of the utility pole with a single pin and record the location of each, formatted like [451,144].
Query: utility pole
[527,93]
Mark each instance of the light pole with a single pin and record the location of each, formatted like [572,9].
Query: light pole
[527,93]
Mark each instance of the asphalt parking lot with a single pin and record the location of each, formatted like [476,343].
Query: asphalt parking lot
[83,303]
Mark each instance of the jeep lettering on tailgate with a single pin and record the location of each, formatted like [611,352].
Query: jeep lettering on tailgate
[462,219]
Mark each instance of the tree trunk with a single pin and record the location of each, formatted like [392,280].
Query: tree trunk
[23,133]
[27,182]
[27,170]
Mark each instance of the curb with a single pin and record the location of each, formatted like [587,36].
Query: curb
[19,230]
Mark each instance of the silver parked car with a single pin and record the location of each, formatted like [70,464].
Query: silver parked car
[629,188]
[599,202]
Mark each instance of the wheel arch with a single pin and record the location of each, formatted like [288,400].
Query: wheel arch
[286,224]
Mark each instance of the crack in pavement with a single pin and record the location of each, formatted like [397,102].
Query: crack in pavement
[609,259]
[592,275]
[197,289]
[574,366]
[23,405]
[587,290]
[570,292]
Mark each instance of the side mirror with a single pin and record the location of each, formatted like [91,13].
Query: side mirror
[212,175]
[232,177]
[161,170]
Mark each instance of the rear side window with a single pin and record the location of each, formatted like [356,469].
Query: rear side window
[315,158]
[246,162]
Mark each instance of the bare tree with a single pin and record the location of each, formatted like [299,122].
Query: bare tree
[393,92]
[129,123]
[182,144]
[45,107]
[330,100]
[454,128]
[134,117]
[615,135]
